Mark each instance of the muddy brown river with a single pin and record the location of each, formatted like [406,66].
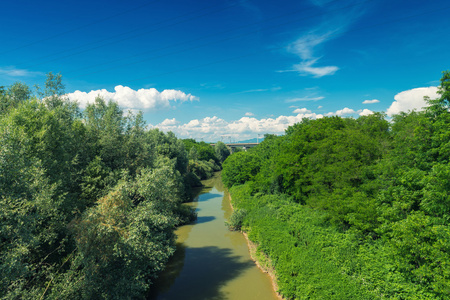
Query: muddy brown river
[211,262]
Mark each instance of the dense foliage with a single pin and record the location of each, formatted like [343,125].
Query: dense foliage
[204,159]
[352,208]
[88,199]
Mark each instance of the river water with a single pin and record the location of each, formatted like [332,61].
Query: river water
[211,262]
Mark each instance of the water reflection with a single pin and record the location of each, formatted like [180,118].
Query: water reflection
[206,197]
[203,275]
[167,278]
[204,219]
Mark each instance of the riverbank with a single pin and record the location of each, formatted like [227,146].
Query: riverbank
[261,260]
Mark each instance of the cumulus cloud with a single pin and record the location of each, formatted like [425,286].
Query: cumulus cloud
[302,111]
[348,111]
[371,101]
[412,100]
[365,112]
[146,99]
[169,122]
[213,128]
[249,114]
[341,112]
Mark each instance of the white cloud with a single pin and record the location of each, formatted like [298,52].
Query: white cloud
[304,48]
[371,101]
[304,99]
[302,111]
[146,99]
[169,122]
[365,112]
[249,114]
[253,91]
[330,27]
[273,89]
[14,72]
[345,111]
[131,112]
[214,128]
[307,68]
[341,112]
[349,111]
[411,100]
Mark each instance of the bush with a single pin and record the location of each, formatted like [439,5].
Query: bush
[236,220]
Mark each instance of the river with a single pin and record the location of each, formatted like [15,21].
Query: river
[211,262]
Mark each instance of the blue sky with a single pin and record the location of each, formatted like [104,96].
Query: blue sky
[231,69]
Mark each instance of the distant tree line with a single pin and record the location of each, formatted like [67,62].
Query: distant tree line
[352,208]
[89,199]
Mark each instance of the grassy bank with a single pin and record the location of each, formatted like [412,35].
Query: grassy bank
[308,259]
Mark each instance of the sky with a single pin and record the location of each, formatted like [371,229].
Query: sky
[231,70]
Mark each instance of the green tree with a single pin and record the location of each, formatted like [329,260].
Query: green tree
[19,92]
[193,154]
[31,217]
[87,205]
[15,94]
[240,168]
[129,234]
[105,126]
[222,151]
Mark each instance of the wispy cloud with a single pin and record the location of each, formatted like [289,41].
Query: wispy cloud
[15,72]
[273,89]
[249,114]
[253,91]
[305,47]
[307,68]
[214,86]
[304,99]
[336,20]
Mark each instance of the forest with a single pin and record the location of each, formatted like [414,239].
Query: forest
[89,199]
[344,208]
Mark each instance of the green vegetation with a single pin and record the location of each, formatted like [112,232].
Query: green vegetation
[204,159]
[222,151]
[352,208]
[88,199]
